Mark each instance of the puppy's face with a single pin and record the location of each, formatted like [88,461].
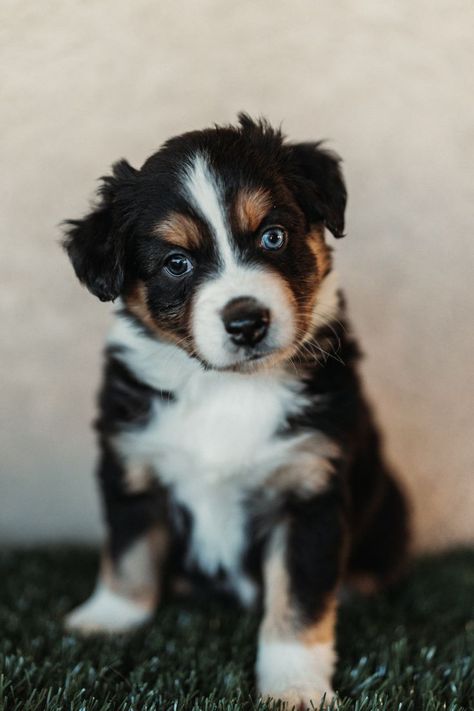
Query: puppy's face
[217,243]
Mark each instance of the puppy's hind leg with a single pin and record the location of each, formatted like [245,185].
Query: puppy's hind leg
[127,590]
[380,550]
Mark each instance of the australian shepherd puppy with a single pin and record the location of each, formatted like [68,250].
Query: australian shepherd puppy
[237,449]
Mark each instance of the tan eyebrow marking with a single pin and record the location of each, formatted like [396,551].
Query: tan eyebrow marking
[251,206]
[179,229]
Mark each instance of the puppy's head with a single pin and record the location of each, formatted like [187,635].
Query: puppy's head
[217,243]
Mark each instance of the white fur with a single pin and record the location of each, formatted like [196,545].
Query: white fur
[202,188]
[161,365]
[295,673]
[106,611]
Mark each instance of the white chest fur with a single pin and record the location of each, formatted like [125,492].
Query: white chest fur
[212,444]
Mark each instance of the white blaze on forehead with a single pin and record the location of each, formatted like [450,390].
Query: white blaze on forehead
[205,193]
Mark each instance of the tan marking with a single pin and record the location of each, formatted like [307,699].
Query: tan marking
[280,619]
[250,207]
[310,468]
[364,584]
[321,251]
[136,301]
[137,478]
[309,317]
[180,230]
[136,574]
[324,629]
[322,254]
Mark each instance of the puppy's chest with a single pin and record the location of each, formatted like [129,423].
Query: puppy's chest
[213,446]
[221,427]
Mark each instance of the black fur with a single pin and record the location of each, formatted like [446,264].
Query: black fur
[321,190]
[129,516]
[317,544]
[96,245]
[125,403]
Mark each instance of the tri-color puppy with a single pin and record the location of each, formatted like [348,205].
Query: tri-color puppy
[237,448]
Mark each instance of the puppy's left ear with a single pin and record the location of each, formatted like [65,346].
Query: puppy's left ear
[320,187]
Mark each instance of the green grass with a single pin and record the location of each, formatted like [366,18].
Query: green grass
[410,649]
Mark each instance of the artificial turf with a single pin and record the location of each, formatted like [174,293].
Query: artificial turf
[409,649]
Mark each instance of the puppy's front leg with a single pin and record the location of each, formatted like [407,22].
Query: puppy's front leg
[296,649]
[127,590]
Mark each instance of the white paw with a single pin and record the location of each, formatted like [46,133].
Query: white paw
[107,612]
[300,699]
[296,674]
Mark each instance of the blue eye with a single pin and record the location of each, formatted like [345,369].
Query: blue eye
[273,239]
[178,265]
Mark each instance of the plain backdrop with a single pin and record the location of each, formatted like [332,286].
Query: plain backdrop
[389,84]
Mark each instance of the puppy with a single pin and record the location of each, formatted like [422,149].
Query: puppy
[237,449]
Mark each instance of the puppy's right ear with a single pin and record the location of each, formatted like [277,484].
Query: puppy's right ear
[96,244]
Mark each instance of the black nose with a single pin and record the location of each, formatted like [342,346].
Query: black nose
[246,321]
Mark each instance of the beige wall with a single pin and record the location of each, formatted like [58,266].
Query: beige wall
[389,83]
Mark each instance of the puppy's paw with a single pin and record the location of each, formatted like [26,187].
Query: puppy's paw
[106,612]
[302,699]
[296,674]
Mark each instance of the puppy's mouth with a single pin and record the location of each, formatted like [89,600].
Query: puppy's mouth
[251,360]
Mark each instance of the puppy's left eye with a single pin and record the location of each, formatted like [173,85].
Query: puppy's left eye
[273,239]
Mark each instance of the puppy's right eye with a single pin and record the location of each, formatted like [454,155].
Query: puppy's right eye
[178,265]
